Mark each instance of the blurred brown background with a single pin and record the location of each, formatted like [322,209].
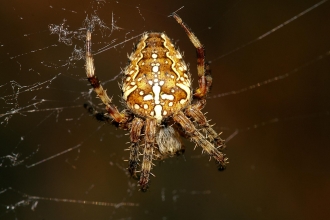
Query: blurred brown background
[279,157]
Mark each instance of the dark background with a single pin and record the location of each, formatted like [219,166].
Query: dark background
[278,133]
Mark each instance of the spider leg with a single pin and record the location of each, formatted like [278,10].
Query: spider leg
[100,116]
[95,83]
[195,113]
[150,133]
[204,73]
[135,134]
[200,140]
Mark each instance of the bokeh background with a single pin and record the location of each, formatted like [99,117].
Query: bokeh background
[278,132]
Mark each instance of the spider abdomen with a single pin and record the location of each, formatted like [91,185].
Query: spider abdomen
[156,82]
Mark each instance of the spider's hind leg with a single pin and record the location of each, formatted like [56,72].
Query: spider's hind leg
[203,70]
[96,84]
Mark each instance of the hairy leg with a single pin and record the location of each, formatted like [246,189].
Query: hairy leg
[195,113]
[150,133]
[95,83]
[200,140]
[135,136]
[204,73]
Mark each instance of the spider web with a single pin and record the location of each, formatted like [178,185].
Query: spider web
[270,98]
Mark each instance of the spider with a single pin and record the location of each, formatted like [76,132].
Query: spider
[160,103]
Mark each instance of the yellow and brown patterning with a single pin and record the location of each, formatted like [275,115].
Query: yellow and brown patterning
[156,87]
[156,83]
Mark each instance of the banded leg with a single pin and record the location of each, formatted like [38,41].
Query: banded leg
[95,83]
[150,133]
[204,73]
[208,76]
[100,116]
[135,134]
[200,140]
[194,112]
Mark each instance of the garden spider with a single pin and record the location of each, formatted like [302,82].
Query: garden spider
[160,102]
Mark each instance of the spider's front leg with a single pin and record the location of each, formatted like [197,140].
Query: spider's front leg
[194,111]
[204,72]
[200,140]
[150,134]
[135,136]
[95,83]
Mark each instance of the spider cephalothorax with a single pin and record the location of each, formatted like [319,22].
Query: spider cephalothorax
[161,105]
